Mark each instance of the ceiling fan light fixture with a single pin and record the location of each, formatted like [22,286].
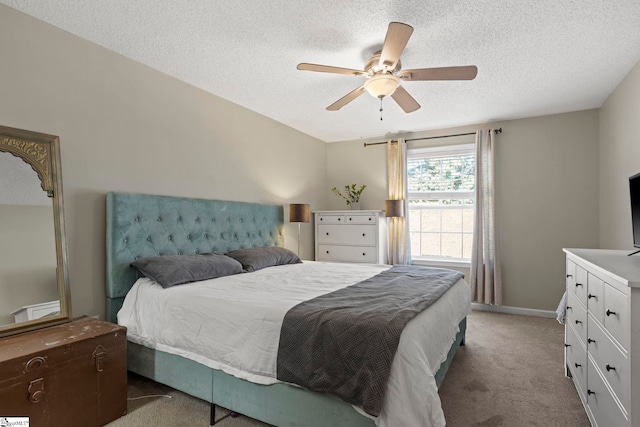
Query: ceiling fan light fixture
[381,85]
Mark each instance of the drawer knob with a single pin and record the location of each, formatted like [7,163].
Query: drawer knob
[578,322]
[609,312]
[339,219]
[363,234]
[592,296]
[589,340]
[569,275]
[350,219]
[364,254]
[567,345]
[327,234]
[327,251]
[321,219]
[577,365]
[578,284]
[589,392]
[610,368]
[370,219]
[569,307]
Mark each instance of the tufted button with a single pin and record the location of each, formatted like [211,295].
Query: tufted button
[125,240]
[222,236]
[228,219]
[235,235]
[247,234]
[188,236]
[197,219]
[206,235]
[136,219]
[213,220]
[137,257]
[179,219]
[253,220]
[159,219]
[179,253]
[259,233]
[241,220]
[170,237]
[197,251]
[149,239]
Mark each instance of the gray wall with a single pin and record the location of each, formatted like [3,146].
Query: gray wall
[27,270]
[619,159]
[547,176]
[126,127]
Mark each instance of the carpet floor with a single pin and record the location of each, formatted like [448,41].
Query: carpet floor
[510,373]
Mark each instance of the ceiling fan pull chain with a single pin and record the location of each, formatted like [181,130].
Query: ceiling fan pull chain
[380,108]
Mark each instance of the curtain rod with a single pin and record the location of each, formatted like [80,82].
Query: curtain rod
[366,144]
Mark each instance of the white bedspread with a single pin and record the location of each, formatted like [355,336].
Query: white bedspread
[233,324]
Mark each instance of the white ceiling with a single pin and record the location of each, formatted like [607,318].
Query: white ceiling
[534,58]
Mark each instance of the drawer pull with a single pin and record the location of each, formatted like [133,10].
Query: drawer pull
[589,392]
[610,368]
[592,296]
[567,345]
[577,365]
[578,322]
[569,275]
[578,284]
[589,340]
[609,312]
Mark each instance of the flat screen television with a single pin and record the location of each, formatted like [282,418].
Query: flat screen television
[634,189]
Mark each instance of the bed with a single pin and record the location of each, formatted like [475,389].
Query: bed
[140,226]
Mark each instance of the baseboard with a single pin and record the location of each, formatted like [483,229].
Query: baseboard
[514,310]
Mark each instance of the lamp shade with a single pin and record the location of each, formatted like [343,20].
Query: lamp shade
[299,212]
[394,208]
[381,85]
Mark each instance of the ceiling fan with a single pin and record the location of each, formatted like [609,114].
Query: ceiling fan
[383,72]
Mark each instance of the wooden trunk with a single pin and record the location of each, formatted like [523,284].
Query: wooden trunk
[73,374]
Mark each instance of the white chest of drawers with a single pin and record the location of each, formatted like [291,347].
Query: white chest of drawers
[351,236]
[602,335]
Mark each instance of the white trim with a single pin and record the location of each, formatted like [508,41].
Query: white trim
[514,310]
[439,262]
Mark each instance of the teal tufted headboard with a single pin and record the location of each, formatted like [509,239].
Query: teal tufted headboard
[143,225]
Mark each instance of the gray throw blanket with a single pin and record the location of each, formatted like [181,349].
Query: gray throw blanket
[343,342]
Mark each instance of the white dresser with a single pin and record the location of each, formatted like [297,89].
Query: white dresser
[602,334]
[351,236]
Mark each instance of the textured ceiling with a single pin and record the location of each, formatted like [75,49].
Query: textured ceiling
[533,58]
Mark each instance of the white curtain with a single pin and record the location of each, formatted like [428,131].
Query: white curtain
[485,278]
[399,246]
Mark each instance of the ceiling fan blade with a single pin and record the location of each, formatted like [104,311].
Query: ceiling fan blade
[394,43]
[468,72]
[404,100]
[346,99]
[330,69]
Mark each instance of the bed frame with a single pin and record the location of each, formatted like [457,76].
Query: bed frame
[140,225]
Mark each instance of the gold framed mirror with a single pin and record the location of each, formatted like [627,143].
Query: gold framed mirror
[34,279]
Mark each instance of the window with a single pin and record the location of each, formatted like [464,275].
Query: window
[441,183]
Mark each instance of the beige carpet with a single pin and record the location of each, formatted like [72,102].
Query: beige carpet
[510,374]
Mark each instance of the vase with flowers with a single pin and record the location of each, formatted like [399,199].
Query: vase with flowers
[351,195]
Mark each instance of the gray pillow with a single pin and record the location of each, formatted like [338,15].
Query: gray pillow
[171,270]
[253,259]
